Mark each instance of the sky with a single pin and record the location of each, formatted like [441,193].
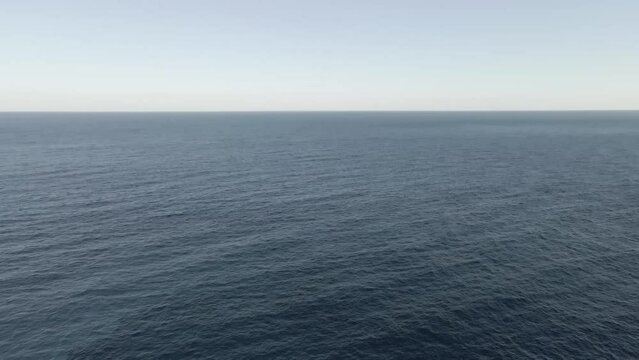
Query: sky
[281,55]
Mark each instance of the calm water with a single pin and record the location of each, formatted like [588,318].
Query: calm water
[319,236]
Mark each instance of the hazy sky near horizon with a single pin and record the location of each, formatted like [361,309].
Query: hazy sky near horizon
[71,55]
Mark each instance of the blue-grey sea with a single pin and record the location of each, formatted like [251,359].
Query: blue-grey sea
[408,235]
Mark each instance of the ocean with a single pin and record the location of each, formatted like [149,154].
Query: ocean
[354,235]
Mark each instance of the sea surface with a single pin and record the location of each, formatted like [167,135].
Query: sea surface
[507,235]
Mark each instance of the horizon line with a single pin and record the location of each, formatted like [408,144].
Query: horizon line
[304,111]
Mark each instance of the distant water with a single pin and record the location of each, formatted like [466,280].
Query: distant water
[319,236]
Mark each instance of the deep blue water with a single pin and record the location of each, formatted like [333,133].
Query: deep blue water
[319,236]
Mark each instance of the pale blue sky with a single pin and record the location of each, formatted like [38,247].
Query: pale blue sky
[318,55]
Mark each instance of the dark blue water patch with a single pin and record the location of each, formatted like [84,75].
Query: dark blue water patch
[319,235]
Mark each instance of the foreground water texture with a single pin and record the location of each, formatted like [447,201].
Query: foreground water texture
[319,236]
